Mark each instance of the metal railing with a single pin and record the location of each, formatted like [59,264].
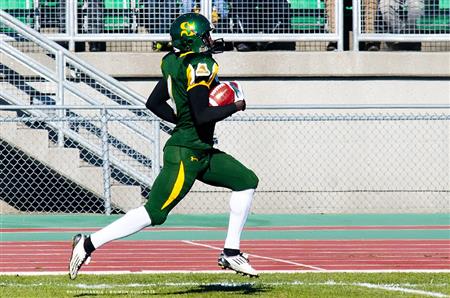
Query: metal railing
[295,20]
[400,21]
[113,20]
[57,78]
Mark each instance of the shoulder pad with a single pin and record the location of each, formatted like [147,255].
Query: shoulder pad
[201,70]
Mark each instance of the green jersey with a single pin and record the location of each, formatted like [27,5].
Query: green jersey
[183,72]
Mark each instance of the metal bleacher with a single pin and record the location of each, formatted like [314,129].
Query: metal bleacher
[436,17]
[23,10]
[308,15]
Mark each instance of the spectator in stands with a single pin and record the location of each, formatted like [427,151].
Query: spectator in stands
[219,15]
[370,12]
[331,21]
[189,6]
[157,16]
[262,17]
[53,15]
[93,24]
[161,15]
[370,8]
[400,17]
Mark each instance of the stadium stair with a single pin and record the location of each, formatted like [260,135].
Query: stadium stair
[131,172]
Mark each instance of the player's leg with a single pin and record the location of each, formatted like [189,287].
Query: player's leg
[83,246]
[226,171]
[183,166]
[174,181]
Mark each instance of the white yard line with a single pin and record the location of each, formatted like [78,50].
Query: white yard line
[403,288]
[257,256]
[397,288]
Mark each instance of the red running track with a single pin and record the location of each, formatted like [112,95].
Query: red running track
[265,255]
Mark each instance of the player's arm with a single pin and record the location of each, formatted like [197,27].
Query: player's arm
[202,113]
[157,102]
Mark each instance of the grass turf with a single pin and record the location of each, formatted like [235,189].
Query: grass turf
[226,284]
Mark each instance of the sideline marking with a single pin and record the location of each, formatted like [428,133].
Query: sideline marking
[397,288]
[387,287]
[258,256]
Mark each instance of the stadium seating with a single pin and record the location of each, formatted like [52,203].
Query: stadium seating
[120,16]
[436,18]
[51,13]
[21,9]
[308,15]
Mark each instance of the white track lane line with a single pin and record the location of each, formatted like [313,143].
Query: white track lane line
[88,272]
[257,256]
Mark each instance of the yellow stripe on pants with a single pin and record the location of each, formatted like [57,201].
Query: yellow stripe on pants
[177,187]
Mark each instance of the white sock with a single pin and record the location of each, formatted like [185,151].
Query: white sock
[132,222]
[240,203]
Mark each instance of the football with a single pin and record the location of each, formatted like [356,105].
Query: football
[225,93]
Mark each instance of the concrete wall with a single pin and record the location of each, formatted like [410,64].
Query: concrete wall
[334,91]
[308,78]
[288,64]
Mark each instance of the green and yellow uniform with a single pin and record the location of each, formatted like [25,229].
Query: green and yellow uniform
[182,73]
[189,154]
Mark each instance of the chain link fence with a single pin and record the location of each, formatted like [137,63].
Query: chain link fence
[316,162]
[80,161]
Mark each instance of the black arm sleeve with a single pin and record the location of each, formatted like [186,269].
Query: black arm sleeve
[157,102]
[201,111]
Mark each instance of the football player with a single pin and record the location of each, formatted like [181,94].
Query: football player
[189,72]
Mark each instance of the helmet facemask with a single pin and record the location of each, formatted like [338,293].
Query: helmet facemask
[214,46]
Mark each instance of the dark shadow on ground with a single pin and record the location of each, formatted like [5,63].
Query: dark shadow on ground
[235,288]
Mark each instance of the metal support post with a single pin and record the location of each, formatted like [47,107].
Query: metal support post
[356,24]
[156,145]
[60,95]
[71,22]
[106,165]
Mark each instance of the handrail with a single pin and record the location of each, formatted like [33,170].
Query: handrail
[125,92]
[67,85]
[62,57]
[122,90]
[76,137]
[53,47]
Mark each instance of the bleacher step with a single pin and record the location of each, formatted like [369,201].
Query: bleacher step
[67,162]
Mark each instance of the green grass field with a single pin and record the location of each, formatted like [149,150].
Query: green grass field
[229,284]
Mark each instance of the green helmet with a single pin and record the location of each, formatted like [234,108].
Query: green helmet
[190,32]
